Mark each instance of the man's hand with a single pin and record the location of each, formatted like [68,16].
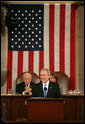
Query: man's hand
[27,90]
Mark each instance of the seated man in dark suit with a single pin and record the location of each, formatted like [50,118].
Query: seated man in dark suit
[47,88]
[25,87]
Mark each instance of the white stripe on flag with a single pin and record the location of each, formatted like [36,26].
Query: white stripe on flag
[14,69]
[25,61]
[36,62]
[46,36]
[56,37]
[67,40]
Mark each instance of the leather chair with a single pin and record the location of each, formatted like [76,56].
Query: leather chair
[63,81]
[35,78]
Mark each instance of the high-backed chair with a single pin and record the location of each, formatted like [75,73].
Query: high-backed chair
[63,81]
[35,78]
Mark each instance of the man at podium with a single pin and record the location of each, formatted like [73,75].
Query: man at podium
[47,88]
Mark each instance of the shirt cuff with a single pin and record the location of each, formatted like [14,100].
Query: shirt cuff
[23,93]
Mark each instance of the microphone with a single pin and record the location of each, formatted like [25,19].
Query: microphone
[45,93]
[45,89]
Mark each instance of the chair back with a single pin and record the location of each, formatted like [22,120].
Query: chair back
[63,81]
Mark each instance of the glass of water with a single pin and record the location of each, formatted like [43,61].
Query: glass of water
[10,91]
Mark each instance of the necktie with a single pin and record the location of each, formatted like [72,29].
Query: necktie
[45,91]
[28,85]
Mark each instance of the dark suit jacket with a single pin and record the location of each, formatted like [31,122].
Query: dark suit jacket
[53,90]
[21,87]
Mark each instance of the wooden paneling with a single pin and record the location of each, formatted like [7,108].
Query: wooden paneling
[14,109]
[45,110]
[69,109]
[80,108]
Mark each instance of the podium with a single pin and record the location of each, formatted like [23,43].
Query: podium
[14,109]
[45,109]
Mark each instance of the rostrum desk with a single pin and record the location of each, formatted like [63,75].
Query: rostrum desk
[45,109]
[14,109]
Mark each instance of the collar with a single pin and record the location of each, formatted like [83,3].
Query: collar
[27,85]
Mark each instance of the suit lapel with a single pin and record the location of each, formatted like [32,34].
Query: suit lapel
[23,86]
[41,90]
[49,89]
[31,85]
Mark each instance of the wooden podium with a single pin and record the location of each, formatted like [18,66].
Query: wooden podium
[14,109]
[45,109]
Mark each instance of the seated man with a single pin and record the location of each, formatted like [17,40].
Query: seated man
[51,90]
[25,87]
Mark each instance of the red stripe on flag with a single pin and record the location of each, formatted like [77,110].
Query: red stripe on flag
[31,61]
[72,46]
[41,60]
[20,63]
[51,38]
[9,70]
[62,38]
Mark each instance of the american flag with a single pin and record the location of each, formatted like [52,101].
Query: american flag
[44,36]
